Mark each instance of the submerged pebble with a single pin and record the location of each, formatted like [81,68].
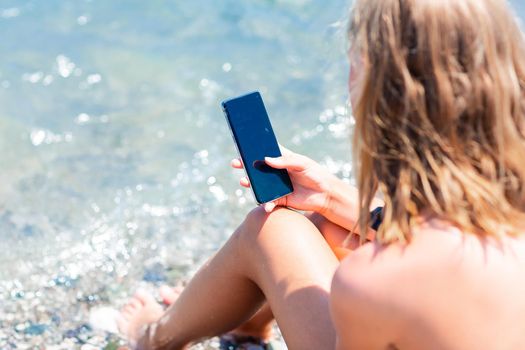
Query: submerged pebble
[35,329]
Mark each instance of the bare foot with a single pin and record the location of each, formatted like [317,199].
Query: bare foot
[169,295]
[140,311]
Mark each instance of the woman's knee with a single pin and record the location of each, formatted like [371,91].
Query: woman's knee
[285,220]
[259,224]
[322,223]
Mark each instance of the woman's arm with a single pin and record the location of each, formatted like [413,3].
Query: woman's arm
[343,204]
[317,190]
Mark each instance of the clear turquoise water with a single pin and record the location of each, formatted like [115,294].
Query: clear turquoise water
[114,107]
[113,149]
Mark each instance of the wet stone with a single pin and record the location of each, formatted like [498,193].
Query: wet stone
[17,294]
[21,327]
[155,274]
[64,281]
[112,345]
[36,329]
[80,334]
[90,299]
[55,319]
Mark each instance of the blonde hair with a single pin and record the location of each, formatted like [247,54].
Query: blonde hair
[440,119]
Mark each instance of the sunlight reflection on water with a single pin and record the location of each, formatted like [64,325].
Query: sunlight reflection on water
[115,154]
[115,151]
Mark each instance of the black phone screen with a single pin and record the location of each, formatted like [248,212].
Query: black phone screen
[253,134]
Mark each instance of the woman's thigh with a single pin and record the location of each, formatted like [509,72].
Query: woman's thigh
[288,258]
[336,236]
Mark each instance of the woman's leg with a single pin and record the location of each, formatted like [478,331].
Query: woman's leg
[260,324]
[333,234]
[278,257]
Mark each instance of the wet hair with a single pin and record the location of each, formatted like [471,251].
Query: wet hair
[440,116]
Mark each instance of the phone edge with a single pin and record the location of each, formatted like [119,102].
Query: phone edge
[226,116]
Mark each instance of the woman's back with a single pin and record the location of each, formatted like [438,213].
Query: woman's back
[444,290]
[438,95]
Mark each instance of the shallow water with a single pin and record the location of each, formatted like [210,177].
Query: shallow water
[114,151]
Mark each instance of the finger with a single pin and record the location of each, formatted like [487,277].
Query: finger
[123,323]
[236,163]
[143,298]
[127,311]
[244,182]
[290,161]
[285,151]
[281,202]
[269,207]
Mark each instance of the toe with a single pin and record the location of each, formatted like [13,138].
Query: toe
[144,297]
[135,303]
[128,310]
[122,324]
[168,294]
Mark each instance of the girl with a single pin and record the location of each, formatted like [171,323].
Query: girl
[438,94]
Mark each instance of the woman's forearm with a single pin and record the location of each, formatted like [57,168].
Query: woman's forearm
[343,204]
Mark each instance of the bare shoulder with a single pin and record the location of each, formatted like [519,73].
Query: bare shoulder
[389,271]
[361,299]
[377,291]
[408,295]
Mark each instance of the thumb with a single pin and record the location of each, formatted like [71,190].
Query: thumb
[269,207]
[290,161]
[275,162]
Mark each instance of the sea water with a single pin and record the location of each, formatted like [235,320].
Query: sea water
[114,153]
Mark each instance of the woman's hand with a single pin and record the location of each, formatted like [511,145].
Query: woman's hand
[312,183]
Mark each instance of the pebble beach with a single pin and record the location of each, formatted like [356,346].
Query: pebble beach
[115,153]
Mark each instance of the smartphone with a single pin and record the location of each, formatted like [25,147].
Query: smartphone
[253,134]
